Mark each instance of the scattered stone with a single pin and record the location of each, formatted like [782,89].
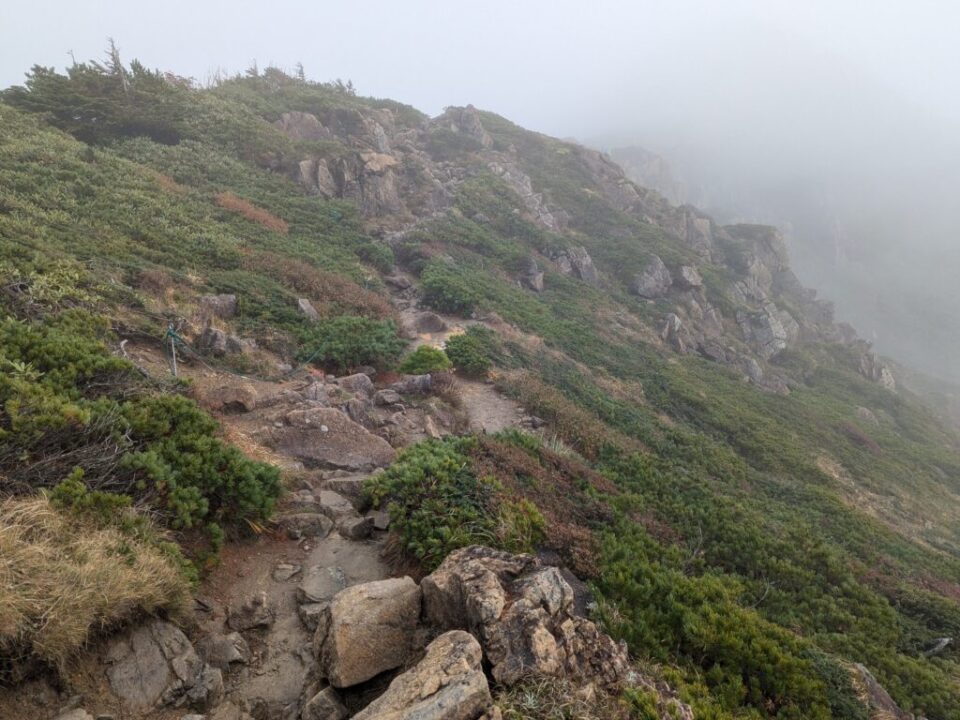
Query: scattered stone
[430,322]
[255,612]
[208,691]
[387,397]
[307,309]
[240,345]
[366,630]
[349,486]
[654,282]
[325,705]
[320,584]
[305,524]
[154,665]
[310,614]
[447,684]
[286,571]
[221,306]
[316,392]
[238,397]
[335,506]
[398,282]
[75,714]
[212,341]
[381,519]
[358,528]
[867,415]
[414,385]
[221,651]
[357,383]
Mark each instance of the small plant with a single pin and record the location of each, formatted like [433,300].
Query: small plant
[472,352]
[425,359]
[447,289]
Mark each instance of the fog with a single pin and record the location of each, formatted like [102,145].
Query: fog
[838,120]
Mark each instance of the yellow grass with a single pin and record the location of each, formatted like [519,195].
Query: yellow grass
[63,580]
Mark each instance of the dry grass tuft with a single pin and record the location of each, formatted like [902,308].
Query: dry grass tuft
[229,201]
[558,699]
[63,580]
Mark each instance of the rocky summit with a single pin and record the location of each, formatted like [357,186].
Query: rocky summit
[315,407]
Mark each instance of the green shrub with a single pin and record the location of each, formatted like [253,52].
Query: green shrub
[425,359]
[472,352]
[349,341]
[378,255]
[448,289]
[438,503]
[72,410]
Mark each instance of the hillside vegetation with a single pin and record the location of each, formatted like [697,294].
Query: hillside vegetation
[749,534]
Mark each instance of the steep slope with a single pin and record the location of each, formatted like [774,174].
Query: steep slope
[755,502]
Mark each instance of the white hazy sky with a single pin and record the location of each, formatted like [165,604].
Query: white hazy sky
[553,65]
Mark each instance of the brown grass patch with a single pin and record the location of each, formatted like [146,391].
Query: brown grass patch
[558,486]
[168,184]
[329,292]
[245,208]
[63,580]
[543,698]
[580,429]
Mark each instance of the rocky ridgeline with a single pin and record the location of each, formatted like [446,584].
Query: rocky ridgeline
[396,182]
[384,649]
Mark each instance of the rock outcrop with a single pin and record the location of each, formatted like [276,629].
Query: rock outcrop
[447,684]
[654,281]
[522,614]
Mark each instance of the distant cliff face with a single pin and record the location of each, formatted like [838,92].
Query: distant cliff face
[402,175]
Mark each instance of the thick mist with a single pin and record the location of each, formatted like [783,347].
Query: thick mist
[837,120]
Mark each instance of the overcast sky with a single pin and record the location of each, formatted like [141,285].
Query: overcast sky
[551,64]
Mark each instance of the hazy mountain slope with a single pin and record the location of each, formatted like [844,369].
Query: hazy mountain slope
[776,511]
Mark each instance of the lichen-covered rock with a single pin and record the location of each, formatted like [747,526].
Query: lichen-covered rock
[221,306]
[366,630]
[522,614]
[447,684]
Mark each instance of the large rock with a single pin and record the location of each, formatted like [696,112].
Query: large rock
[447,684]
[689,278]
[324,705]
[307,309]
[238,397]
[875,696]
[655,281]
[763,330]
[320,584]
[466,121]
[366,630]
[327,438]
[255,612]
[430,322]
[155,665]
[576,261]
[221,651]
[221,306]
[358,383]
[302,126]
[522,613]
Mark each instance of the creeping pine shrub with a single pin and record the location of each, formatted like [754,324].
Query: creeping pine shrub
[448,289]
[437,503]
[71,409]
[349,341]
[472,352]
[425,359]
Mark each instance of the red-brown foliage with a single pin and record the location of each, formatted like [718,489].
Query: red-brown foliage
[229,201]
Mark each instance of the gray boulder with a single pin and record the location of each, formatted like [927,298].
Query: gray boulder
[254,612]
[327,438]
[221,651]
[221,306]
[358,383]
[430,322]
[155,665]
[654,282]
[320,584]
[325,705]
[689,278]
